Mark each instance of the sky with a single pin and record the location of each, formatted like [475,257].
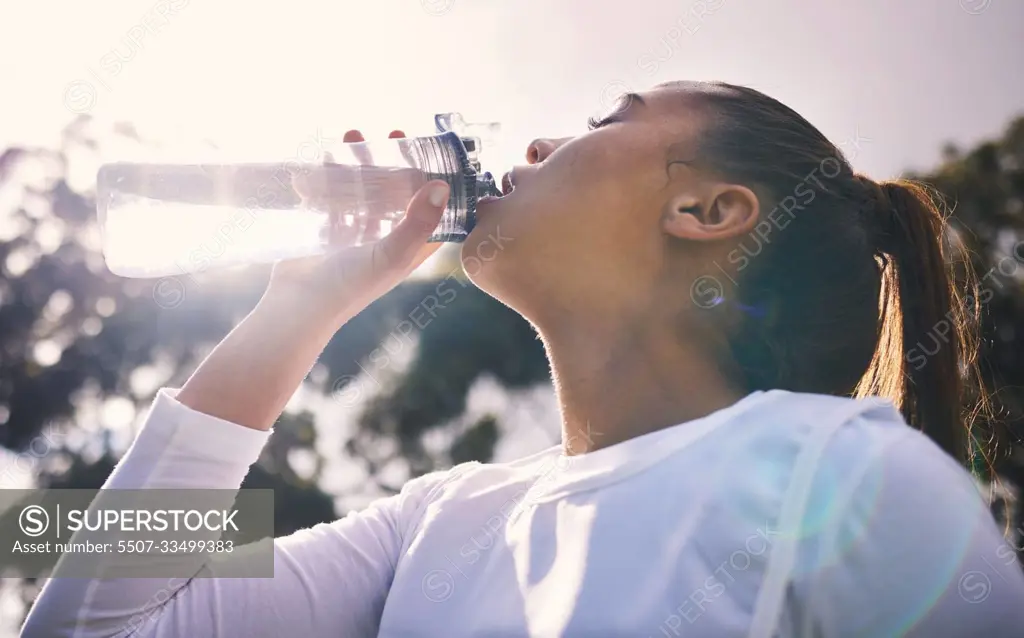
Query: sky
[261,79]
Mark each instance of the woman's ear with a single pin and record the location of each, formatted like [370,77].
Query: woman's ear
[726,210]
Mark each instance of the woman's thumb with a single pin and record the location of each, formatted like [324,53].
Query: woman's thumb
[402,245]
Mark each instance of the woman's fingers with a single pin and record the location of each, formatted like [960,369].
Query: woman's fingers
[377,208]
[361,200]
[352,137]
[406,150]
[403,248]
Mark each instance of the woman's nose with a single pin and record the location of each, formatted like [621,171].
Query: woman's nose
[541,148]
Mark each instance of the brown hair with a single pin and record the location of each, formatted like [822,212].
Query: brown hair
[849,291]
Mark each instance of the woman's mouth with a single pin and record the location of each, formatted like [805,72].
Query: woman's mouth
[504,190]
[507,186]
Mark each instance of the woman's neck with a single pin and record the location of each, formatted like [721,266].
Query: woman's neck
[618,382]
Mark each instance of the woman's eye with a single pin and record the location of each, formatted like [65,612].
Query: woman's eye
[593,123]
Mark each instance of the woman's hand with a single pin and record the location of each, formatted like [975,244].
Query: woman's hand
[250,376]
[337,285]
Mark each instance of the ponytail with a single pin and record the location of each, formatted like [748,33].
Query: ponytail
[927,347]
[857,296]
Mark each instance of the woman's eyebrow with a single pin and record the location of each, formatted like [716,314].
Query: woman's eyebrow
[627,100]
[635,97]
[623,105]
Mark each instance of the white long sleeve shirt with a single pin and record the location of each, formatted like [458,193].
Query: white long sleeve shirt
[784,514]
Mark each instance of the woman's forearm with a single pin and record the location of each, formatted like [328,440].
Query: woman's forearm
[250,376]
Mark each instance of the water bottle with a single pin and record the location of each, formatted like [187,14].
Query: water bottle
[158,220]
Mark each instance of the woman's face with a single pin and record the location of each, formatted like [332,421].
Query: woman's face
[583,228]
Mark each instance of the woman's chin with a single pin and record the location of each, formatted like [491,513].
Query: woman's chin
[490,206]
[492,213]
[486,246]
[487,201]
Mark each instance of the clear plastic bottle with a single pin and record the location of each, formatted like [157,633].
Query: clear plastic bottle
[168,219]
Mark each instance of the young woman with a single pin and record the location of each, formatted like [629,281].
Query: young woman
[706,271]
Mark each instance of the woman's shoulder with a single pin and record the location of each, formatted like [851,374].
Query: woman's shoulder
[848,462]
[893,534]
[866,444]
[848,432]
[863,447]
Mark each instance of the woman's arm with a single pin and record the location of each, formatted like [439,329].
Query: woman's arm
[329,580]
[250,376]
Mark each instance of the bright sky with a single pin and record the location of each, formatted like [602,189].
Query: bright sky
[907,75]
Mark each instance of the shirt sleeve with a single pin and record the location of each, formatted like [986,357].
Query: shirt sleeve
[329,580]
[909,548]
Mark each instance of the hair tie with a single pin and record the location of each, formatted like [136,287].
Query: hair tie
[880,215]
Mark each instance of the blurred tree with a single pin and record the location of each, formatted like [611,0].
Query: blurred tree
[985,188]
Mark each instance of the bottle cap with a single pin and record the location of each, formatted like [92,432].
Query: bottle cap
[476,136]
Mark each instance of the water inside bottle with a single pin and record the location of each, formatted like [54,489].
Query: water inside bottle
[146,237]
[170,219]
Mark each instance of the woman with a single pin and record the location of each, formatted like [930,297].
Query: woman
[705,271]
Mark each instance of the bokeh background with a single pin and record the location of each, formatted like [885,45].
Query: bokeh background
[921,88]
